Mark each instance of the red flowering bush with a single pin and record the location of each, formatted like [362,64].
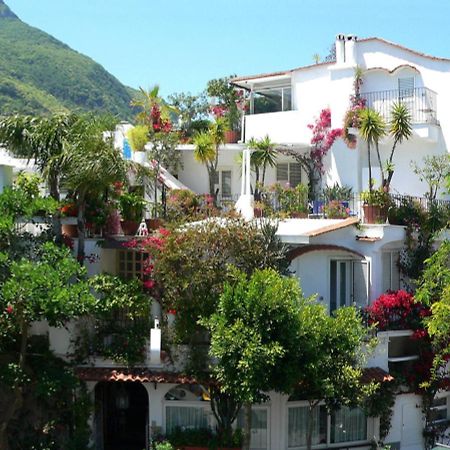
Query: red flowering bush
[69,209]
[397,310]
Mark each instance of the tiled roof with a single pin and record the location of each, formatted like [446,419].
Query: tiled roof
[144,375]
[376,374]
[325,63]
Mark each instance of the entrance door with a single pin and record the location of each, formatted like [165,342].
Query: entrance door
[411,427]
[125,412]
[259,438]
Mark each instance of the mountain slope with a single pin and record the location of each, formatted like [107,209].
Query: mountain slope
[39,74]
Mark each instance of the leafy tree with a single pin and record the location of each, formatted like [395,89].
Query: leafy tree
[372,129]
[254,335]
[206,150]
[90,164]
[434,172]
[264,155]
[400,129]
[48,287]
[138,137]
[41,139]
[192,111]
[329,359]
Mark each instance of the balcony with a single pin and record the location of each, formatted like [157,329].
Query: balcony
[421,103]
[283,127]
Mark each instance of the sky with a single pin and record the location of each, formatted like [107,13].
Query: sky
[181,44]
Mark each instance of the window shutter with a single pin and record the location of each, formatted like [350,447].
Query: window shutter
[361,283]
[282,173]
[295,174]
[406,87]
[386,262]
[226,184]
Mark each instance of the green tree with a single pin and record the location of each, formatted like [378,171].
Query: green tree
[49,287]
[435,172]
[400,129]
[264,155]
[206,150]
[372,129]
[138,137]
[254,335]
[90,164]
[329,358]
[41,139]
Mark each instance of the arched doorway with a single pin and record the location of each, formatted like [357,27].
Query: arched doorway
[121,416]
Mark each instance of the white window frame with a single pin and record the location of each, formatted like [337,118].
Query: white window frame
[289,163]
[264,406]
[188,404]
[394,254]
[350,300]
[303,404]
[220,171]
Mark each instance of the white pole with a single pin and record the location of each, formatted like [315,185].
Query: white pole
[247,187]
[243,172]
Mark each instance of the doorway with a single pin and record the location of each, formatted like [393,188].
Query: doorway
[121,416]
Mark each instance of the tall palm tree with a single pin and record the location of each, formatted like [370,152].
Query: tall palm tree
[372,129]
[90,164]
[206,149]
[41,139]
[400,129]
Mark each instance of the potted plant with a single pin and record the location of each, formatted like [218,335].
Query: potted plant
[336,209]
[375,205]
[293,200]
[258,209]
[131,206]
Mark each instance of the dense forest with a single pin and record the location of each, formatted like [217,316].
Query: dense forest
[39,74]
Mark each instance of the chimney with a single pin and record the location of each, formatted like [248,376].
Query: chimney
[340,49]
[350,50]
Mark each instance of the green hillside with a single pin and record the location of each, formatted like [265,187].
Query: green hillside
[39,74]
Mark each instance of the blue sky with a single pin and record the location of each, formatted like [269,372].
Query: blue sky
[181,44]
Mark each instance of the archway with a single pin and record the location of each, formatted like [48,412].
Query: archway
[121,416]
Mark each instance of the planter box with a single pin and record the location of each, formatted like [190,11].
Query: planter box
[70,230]
[231,137]
[153,224]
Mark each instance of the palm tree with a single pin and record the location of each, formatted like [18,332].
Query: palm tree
[372,129]
[41,139]
[264,155]
[400,129]
[90,164]
[206,150]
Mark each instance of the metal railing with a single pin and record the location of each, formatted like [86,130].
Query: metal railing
[421,103]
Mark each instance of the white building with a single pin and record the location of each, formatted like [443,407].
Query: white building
[335,260]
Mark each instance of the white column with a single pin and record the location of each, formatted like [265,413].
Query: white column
[247,174]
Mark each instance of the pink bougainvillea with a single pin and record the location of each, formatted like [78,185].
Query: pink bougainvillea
[323,137]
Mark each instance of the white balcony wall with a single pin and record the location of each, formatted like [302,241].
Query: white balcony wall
[284,127]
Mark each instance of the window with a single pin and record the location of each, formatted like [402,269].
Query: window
[348,283]
[298,422]
[271,99]
[289,173]
[222,182]
[186,407]
[348,425]
[131,264]
[391,271]
[344,425]
[259,430]
[439,414]
[406,87]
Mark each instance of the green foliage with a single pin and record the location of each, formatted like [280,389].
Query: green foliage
[372,127]
[121,315]
[138,137]
[434,172]
[400,124]
[202,437]
[254,335]
[337,192]
[41,75]
[376,197]
[191,266]
[204,148]
[226,95]
[132,206]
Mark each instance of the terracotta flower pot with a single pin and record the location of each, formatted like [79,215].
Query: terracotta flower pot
[231,137]
[129,227]
[374,214]
[70,230]
[153,224]
[299,215]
